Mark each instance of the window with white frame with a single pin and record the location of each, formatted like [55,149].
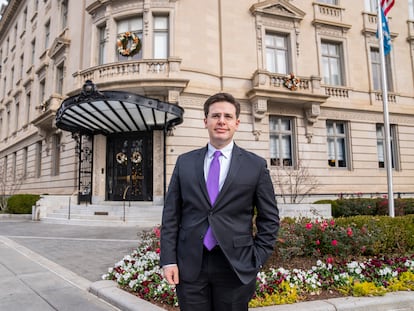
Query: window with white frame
[8,121]
[411,9]
[17,115]
[33,52]
[38,159]
[161,37]
[24,159]
[333,2]
[332,64]
[102,44]
[281,141]
[6,169]
[381,141]
[11,78]
[55,155]
[47,34]
[59,78]
[277,53]
[42,90]
[132,25]
[24,18]
[376,70]
[371,6]
[28,104]
[64,13]
[14,166]
[337,143]
[21,66]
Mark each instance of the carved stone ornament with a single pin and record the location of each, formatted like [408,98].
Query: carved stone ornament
[312,113]
[259,111]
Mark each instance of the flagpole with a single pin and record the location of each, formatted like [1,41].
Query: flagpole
[388,159]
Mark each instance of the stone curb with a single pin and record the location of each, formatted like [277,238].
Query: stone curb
[16,216]
[401,301]
[111,293]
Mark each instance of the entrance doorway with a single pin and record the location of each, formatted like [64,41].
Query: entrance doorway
[129,167]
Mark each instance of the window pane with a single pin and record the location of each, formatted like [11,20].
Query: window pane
[281,62]
[281,141]
[285,125]
[337,144]
[331,63]
[273,146]
[160,45]
[334,2]
[286,144]
[161,22]
[277,53]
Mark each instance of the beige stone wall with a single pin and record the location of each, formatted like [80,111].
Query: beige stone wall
[213,46]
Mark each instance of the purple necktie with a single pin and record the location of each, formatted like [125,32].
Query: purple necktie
[213,189]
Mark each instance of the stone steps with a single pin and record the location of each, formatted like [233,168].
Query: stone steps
[142,214]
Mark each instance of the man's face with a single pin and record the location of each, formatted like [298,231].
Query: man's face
[221,123]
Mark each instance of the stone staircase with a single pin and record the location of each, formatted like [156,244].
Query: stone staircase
[142,214]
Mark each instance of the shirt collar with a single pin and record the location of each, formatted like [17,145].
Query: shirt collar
[226,151]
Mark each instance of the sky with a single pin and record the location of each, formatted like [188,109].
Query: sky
[2,2]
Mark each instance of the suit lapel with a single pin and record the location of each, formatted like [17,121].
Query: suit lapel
[232,173]
[199,168]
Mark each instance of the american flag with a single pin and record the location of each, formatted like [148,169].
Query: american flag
[387,5]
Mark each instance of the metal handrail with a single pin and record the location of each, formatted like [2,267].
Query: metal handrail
[123,198]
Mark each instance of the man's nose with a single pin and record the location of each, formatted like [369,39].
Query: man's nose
[222,119]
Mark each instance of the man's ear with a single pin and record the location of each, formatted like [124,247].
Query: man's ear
[205,122]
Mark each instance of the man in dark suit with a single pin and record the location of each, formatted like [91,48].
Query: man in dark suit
[208,245]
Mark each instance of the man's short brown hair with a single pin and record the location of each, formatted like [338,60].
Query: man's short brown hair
[221,97]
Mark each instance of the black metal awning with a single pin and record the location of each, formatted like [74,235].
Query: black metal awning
[108,112]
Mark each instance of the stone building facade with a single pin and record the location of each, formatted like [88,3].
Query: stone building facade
[307,75]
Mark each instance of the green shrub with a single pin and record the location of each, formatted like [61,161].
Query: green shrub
[346,237]
[369,206]
[388,235]
[21,203]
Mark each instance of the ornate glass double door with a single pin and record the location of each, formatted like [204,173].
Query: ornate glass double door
[129,167]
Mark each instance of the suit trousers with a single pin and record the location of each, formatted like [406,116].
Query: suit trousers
[217,288]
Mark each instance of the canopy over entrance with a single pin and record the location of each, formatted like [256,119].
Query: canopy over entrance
[109,112]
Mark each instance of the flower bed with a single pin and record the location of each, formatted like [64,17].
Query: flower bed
[140,273]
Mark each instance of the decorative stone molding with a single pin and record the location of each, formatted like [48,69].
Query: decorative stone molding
[259,108]
[173,96]
[312,112]
[259,111]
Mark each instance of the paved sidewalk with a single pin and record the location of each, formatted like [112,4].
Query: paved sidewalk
[59,267]
[28,282]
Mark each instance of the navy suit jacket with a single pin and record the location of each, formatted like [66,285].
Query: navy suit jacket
[187,214]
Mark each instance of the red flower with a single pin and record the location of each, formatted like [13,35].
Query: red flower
[334,242]
[318,242]
[329,260]
[349,232]
[157,232]
[309,225]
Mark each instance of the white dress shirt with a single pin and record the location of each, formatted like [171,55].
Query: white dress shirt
[224,159]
